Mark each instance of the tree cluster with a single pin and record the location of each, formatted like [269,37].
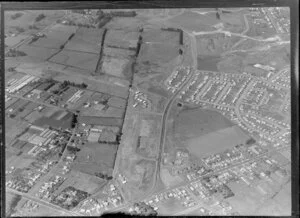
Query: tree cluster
[123,13]
[103,176]
[68,83]
[74,121]
[16,15]
[39,17]
[15,53]
[250,141]
[144,209]
[73,149]
[33,27]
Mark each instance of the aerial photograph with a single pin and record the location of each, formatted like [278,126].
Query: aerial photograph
[163,112]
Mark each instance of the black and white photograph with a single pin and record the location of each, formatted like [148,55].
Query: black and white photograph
[148,109]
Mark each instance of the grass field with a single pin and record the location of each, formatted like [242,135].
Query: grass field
[217,141]
[85,61]
[28,18]
[160,36]
[118,52]
[38,52]
[95,157]
[53,120]
[12,128]
[191,123]
[121,38]
[158,53]
[106,121]
[128,23]
[86,40]
[168,179]
[214,44]
[114,66]
[192,21]
[56,36]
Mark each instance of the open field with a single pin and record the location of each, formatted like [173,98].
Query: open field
[192,21]
[42,53]
[106,121]
[118,52]
[13,128]
[94,83]
[128,23]
[121,38]
[214,44]
[85,61]
[217,141]
[114,66]
[96,111]
[196,122]
[53,120]
[21,25]
[168,179]
[56,36]
[86,40]
[160,36]
[95,158]
[82,181]
[157,53]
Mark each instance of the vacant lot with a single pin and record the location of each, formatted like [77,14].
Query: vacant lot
[86,40]
[128,23]
[216,142]
[85,61]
